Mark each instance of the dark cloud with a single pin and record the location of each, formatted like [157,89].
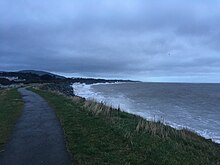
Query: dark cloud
[140,39]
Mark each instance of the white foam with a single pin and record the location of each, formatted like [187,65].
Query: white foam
[87,91]
[84,90]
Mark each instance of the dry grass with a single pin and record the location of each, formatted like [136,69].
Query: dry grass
[155,128]
[98,108]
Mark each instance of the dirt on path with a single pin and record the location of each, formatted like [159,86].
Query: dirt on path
[37,138]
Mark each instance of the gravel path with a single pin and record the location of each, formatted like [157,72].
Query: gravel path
[38,138]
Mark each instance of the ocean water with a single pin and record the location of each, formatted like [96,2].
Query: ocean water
[192,106]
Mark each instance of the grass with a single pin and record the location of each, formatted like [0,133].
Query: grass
[98,134]
[10,109]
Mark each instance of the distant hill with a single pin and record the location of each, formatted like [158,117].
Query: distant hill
[41,73]
[34,76]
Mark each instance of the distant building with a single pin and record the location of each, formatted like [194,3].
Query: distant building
[16,79]
[9,78]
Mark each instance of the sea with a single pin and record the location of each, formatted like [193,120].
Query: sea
[180,105]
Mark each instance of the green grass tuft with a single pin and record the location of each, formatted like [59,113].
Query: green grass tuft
[10,109]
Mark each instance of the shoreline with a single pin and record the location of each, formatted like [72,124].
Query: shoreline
[67,89]
[154,119]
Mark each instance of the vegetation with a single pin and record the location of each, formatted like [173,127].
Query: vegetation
[10,109]
[4,81]
[98,134]
[30,76]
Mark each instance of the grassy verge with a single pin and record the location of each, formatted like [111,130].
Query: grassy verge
[97,134]
[10,109]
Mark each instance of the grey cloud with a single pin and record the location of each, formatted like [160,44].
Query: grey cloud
[107,38]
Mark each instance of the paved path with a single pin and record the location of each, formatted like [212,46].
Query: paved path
[37,138]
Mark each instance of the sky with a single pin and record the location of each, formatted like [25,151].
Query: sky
[148,40]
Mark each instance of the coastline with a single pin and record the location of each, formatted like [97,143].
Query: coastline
[85,91]
[96,133]
[67,89]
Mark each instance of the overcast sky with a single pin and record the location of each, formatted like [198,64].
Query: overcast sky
[150,40]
